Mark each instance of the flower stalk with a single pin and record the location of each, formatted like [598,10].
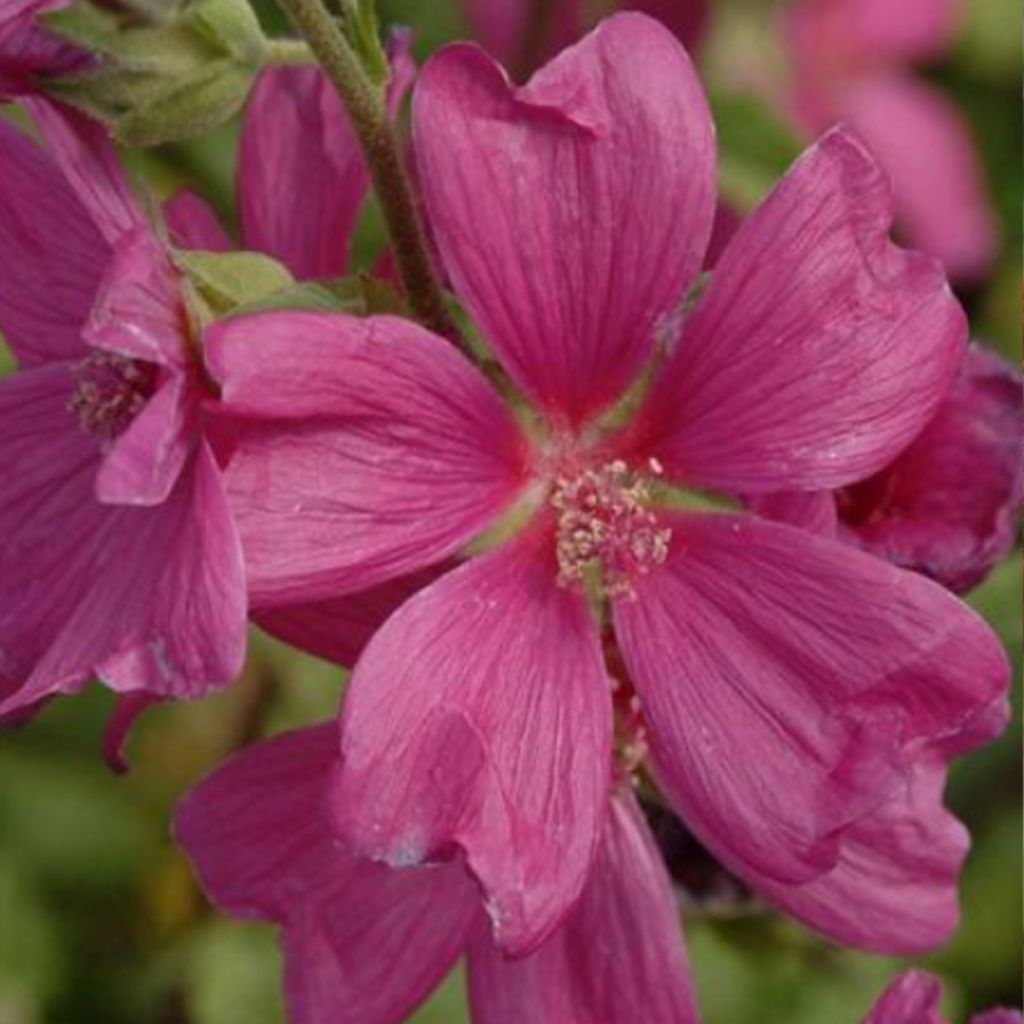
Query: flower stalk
[367,109]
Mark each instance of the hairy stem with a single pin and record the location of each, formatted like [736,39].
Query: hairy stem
[367,109]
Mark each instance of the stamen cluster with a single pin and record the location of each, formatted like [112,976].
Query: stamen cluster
[111,391]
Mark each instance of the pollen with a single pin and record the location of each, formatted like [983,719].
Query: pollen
[606,528]
[111,391]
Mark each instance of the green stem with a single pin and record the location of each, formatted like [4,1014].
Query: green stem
[367,109]
[289,51]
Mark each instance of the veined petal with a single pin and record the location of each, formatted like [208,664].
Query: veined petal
[51,252]
[147,599]
[367,449]
[949,505]
[572,213]
[363,944]
[619,957]
[301,174]
[784,679]
[819,350]
[194,225]
[925,144]
[915,997]
[479,717]
[339,629]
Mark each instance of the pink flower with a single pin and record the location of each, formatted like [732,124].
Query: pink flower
[120,558]
[915,998]
[28,51]
[365,944]
[852,63]
[505,30]
[800,700]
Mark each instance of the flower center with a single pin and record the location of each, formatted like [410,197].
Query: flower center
[111,391]
[606,529]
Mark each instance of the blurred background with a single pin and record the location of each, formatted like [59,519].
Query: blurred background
[100,920]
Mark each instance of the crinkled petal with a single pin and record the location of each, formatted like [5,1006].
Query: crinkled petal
[145,461]
[194,225]
[302,178]
[925,144]
[368,449]
[51,252]
[363,944]
[573,213]
[339,629]
[949,505]
[915,997]
[479,717]
[139,311]
[819,350]
[619,957]
[147,599]
[784,678]
[86,157]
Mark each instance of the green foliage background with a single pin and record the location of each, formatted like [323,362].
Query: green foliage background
[100,921]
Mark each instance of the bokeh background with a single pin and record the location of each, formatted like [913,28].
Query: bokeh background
[100,920]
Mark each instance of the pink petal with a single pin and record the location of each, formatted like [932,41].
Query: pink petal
[86,157]
[784,678]
[819,350]
[620,957]
[503,28]
[688,19]
[147,599]
[914,998]
[194,225]
[339,629]
[810,510]
[949,505]
[368,449]
[569,283]
[362,944]
[479,717]
[28,51]
[145,461]
[925,144]
[302,179]
[139,311]
[46,289]
[1000,1016]
[128,709]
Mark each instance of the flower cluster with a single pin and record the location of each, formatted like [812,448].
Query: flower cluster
[631,531]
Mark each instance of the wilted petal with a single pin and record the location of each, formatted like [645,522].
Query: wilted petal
[194,225]
[949,505]
[785,677]
[925,144]
[571,213]
[479,717]
[339,629]
[619,957]
[51,252]
[368,449]
[819,350]
[363,944]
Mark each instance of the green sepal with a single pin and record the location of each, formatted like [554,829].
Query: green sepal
[224,282]
[358,295]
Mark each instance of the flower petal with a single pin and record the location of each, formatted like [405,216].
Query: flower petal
[46,288]
[925,144]
[194,225]
[688,19]
[479,717]
[819,350]
[948,506]
[28,51]
[339,629]
[915,997]
[368,449]
[572,213]
[619,957]
[363,944]
[147,599]
[784,677]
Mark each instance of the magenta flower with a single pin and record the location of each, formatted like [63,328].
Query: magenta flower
[799,699]
[915,998]
[852,61]
[28,51]
[365,944]
[120,558]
